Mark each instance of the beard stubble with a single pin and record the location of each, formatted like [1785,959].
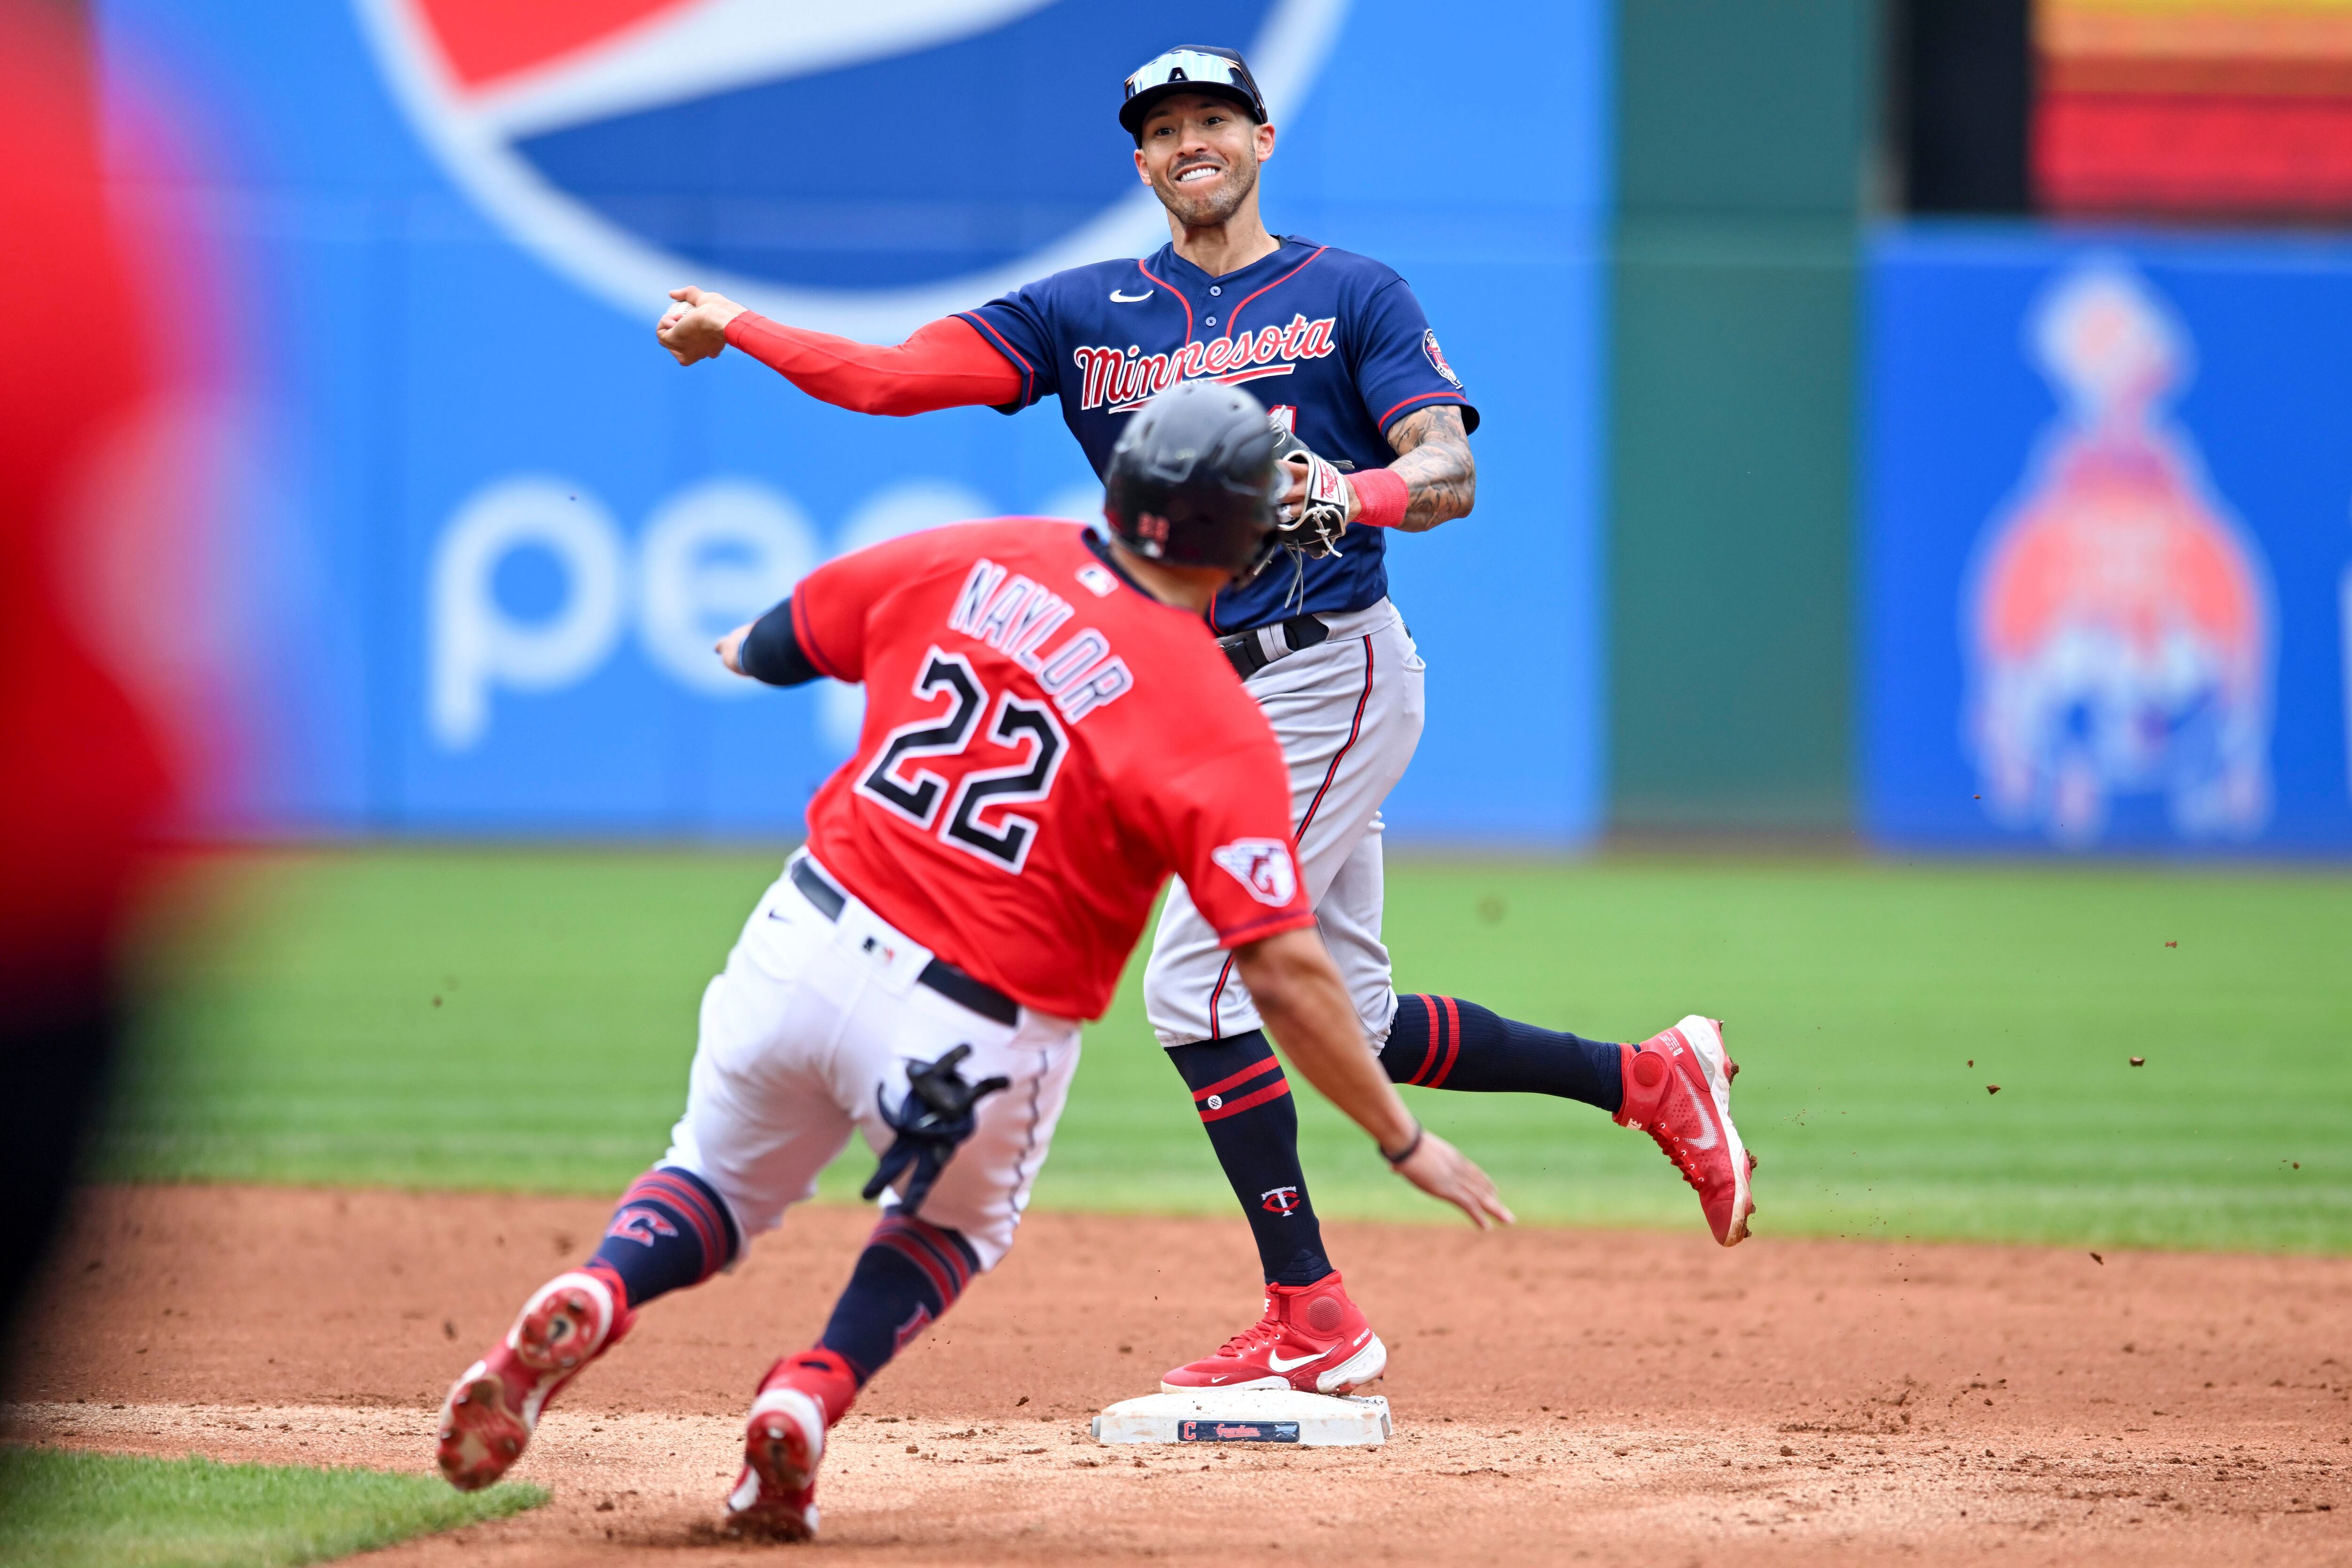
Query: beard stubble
[1208,209]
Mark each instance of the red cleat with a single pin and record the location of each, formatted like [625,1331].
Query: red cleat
[1312,1338]
[487,1419]
[783,1442]
[1678,1090]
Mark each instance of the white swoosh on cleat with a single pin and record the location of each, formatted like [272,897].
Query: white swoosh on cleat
[1705,1117]
[1278,1365]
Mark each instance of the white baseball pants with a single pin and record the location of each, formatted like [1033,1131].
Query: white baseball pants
[810,1030]
[1347,713]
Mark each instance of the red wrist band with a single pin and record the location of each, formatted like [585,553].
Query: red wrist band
[1381,496]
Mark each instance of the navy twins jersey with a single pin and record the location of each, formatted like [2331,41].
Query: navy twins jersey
[1333,342]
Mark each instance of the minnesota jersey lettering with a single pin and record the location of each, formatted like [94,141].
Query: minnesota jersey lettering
[1333,342]
[1125,379]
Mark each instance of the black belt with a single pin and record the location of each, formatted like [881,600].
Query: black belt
[938,974]
[1247,650]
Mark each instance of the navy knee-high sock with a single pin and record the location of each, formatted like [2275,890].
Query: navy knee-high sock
[670,1230]
[908,1276]
[1444,1042]
[1244,1099]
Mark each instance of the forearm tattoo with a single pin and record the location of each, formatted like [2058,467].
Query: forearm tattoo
[1433,455]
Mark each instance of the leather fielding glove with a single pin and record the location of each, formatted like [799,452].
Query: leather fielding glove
[938,1114]
[1322,517]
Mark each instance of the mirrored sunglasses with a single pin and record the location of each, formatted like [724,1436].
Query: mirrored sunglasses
[1189,66]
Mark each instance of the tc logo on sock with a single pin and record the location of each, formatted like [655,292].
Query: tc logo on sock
[1281,1200]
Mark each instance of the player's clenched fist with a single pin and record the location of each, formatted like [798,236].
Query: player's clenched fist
[695,327]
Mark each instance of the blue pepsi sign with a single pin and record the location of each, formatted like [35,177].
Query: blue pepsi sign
[852,168]
[505,528]
[2108,573]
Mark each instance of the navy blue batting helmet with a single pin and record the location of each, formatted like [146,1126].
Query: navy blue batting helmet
[1192,481]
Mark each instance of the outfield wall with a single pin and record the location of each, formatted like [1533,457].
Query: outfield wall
[482,530]
[486,530]
[1743,132]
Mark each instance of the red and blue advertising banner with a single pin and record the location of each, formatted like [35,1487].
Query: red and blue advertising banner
[2107,573]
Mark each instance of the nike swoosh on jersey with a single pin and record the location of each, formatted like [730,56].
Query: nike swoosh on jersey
[1119,298]
[1278,1365]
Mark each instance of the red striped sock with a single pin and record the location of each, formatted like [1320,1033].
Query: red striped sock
[908,1276]
[1244,1099]
[670,1230]
[1444,1042]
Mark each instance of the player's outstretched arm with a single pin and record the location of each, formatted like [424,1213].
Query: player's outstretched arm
[1440,476]
[1305,1008]
[768,650]
[946,364]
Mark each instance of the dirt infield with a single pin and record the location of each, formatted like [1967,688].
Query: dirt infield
[1559,1396]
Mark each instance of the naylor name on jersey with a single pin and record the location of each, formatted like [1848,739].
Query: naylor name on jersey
[1017,618]
[1124,379]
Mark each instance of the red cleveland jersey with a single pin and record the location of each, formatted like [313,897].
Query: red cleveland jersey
[1045,744]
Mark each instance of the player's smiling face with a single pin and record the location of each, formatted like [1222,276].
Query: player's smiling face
[1199,155]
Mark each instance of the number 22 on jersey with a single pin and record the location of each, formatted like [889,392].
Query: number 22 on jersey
[897,782]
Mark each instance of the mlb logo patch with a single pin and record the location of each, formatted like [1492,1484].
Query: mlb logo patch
[1263,866]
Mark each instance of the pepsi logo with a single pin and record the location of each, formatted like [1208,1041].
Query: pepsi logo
[861,169]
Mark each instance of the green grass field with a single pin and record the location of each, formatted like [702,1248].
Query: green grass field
[59,1509]
[523,1019]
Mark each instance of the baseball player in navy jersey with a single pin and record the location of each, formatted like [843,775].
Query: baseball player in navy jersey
[1378,426]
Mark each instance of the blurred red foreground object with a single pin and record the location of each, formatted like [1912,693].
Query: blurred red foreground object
[82,778]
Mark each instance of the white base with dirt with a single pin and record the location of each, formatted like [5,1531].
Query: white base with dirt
[1247,1416]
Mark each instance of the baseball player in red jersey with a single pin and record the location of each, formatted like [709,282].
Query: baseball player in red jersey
[1050,732]
[1381,427]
